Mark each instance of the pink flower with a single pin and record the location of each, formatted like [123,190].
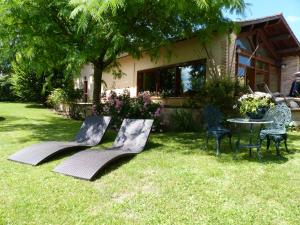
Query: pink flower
[118,104]
[157,112]
[146,97]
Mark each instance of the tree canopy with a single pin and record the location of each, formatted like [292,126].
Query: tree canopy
[61,34]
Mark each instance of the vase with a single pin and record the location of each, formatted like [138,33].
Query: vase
[258,114]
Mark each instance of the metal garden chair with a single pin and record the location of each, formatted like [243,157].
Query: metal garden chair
[213,122]
[276,131]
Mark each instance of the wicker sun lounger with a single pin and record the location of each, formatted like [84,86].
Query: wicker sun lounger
[131,140]
[90,134]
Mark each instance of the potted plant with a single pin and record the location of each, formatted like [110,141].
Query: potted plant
[255,105]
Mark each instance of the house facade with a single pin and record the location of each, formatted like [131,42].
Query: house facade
[265,51]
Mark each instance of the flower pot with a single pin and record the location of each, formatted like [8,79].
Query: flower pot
[258,114]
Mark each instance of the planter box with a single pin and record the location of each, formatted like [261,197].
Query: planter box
[175,102]
[75,110]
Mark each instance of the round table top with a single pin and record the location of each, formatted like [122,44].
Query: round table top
[249,121]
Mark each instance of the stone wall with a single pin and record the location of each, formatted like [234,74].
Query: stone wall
[292,65]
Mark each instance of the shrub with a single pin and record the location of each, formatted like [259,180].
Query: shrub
[60,96]
[6,89]
[182,120]
[221,91]
[27,85]
[57,96]
[123,106]
[31,86]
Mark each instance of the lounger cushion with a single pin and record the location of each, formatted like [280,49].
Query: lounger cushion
[90,134]
[86,164]
[39,152]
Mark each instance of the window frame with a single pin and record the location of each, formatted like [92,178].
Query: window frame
[177,78]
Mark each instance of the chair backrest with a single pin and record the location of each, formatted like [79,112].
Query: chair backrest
[212,117]
[92,130]
[280,115]
[133,134]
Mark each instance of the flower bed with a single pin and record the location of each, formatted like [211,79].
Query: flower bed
[123,106]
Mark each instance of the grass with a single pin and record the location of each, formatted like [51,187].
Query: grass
[174,181]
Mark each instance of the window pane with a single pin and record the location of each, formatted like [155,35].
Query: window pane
[168,81]
[192,77]
[274,79]
[260,78]
[243,43]
[262,52]
[261,65]
[173,81]
[148,81]
[244,60]
[241,71]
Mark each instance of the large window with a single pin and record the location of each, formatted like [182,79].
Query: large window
[177,80]
[256,66]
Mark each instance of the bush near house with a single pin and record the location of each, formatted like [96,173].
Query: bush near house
[221,91]
[123,106]
[60,96]
[6,89]
[65,100]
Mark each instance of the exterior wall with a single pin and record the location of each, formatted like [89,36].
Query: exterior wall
[287,74]
[182,51]
[86,71]
[231,55]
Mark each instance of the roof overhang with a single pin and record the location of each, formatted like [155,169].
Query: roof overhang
[277,32]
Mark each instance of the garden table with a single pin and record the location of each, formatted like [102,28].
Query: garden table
[251,123]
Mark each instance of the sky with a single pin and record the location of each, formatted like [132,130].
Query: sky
[262,8]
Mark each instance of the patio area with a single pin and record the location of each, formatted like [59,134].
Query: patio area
[174,179]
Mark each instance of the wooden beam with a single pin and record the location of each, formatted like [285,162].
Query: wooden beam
[248,54]
[246,33]
[281,37]
[289,50]
[248,28]
[275,23]
[270,47]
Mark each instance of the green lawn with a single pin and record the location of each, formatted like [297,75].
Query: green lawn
[174,181]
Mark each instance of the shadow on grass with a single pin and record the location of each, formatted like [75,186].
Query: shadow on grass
[35,106]
[119,162]
[193,143]
[270,156]
[114,165]
[188,143]
[39,130]
[61,129]
[43,130]
[2,118]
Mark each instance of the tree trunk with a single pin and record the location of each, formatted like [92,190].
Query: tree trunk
[98,69]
